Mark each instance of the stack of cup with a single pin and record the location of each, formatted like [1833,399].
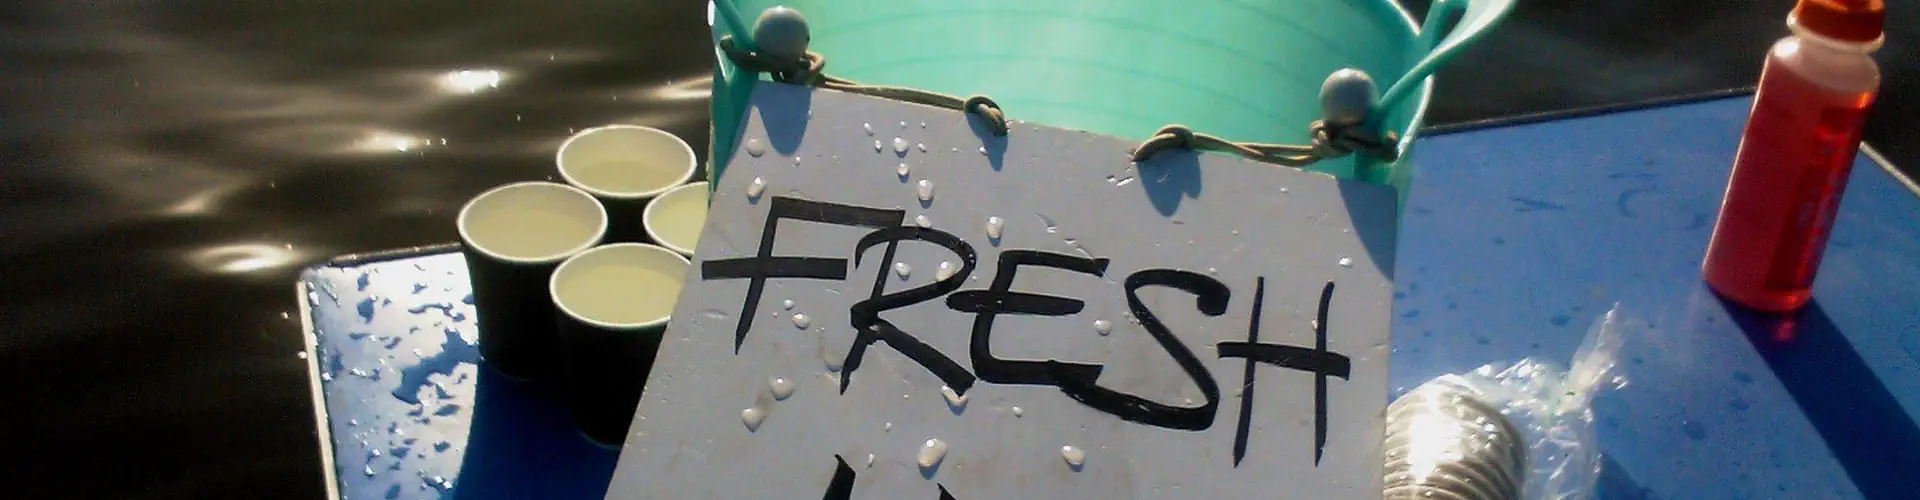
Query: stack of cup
[1444,443]
[556,305]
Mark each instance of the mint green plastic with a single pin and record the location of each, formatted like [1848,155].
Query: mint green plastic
[1247,70]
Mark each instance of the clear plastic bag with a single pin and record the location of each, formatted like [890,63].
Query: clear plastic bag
[1444,438]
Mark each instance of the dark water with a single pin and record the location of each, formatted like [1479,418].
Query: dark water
[166,167]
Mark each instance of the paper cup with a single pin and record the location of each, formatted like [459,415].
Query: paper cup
[614,302]
[513,237]
[675,218]
[624,166]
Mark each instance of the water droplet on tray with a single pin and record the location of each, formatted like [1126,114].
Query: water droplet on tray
[994,224]
[902,269]
[1346,262]
[922,221]
[800,320]
[1017,412]
[946,271]
[877,146]
[1075,457]
[368,471]
[869,460]
[788,304]
[903,170]
[931,453]
[869,128]
[756,148]
[899,146]
[781,388]
[1102,326]
[300,354]
[926,190]
[983,150]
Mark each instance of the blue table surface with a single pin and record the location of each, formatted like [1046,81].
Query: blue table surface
[1515,240]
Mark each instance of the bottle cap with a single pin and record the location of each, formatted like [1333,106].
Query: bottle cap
[1857,21]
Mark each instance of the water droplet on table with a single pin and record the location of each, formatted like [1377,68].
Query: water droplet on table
[931,453]
[994,224]
[926,190]
[1283,190]
[954,398]
[1346,262]
[753,417]
[983,150]
[1102,327]
[781,388]
[1017,412]
[887,428]
[869,460]
[300,354]
[758,186]
[1075,457]
[903,124]
[368,471]
[756,148]
[946,271]
[922,221]
[869,128]
[788,304]
[903,170]
[800,320]
[877,147]
[899,145]
[902,269]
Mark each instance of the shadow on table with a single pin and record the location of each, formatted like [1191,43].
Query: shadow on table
[523,444]
[1861,422]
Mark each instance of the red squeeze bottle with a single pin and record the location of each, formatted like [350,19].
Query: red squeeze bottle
[1793,161]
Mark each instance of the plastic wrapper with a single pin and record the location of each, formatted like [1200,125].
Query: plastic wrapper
[1522,431]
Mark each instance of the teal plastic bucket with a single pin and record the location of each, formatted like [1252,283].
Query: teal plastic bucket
[1246,70]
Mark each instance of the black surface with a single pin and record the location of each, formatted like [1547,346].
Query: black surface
[166,167]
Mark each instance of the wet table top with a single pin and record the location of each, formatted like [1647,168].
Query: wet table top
[1516,239]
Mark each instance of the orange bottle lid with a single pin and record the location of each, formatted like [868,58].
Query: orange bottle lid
[1844,20]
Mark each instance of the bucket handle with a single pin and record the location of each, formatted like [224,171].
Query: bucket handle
[1476,18]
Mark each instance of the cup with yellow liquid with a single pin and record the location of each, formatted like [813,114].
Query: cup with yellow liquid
[614,302]
[625,166]
[513,237]
[674,219]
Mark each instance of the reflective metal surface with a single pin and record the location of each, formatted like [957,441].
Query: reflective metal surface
[167,166]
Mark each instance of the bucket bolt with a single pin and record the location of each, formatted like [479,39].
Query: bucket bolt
[782,32]
[1348,97]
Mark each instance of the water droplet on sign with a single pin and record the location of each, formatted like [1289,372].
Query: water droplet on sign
[1283,190]
[902,269]
[1346,262]
[753,417]
[869,460]
[1017,412]
[954,398]
[926,190]
[899,145]
[869,128]
[300,354]
[922,221]
[1075,457]
[758,186]
[994,225]
[368,471]
[801,321]
[931,453]
[787,304]
[983,150]
[877,146]
[903,170]
[756,148]
[923,124]
[946,271]
[780,387]
[1102,327]
[903,124]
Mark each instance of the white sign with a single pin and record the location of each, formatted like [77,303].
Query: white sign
[890,303]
